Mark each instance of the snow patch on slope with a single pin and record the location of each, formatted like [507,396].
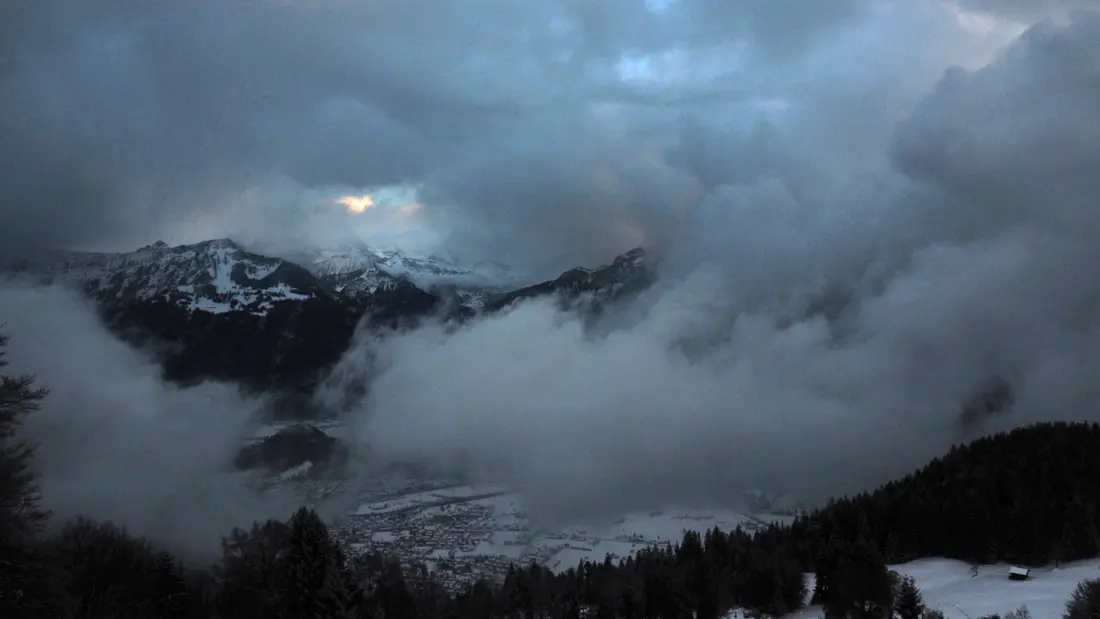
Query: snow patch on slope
[366,266]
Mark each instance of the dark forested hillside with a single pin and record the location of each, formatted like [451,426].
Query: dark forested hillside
[286,348]
[1028,496]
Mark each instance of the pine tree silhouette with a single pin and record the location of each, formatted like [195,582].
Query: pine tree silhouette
[318,586]
[21,514]
[22,577]
[1085,601]
[909,603]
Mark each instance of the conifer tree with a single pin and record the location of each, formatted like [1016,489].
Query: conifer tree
[21,514]
[1085,601]
[23,581]
[317,586]
[909,603]
[859,582]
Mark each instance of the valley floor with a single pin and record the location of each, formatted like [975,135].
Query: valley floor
[463,532]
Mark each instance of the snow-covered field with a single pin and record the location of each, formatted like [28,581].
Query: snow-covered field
[634,532]
[419,501]
[948,587]
[478,530]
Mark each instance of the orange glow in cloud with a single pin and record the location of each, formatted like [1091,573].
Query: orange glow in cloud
[356,204]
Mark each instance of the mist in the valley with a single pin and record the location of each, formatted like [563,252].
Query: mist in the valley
[116,442]
[862,215]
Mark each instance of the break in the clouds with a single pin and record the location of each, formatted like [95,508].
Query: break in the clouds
[544,133]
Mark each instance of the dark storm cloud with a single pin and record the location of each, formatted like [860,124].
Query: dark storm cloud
[109,103]
[127,120]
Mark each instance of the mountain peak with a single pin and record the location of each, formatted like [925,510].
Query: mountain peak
[635,256]
[222,243]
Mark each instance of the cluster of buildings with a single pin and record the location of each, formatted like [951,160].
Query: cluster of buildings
[459,533]
[462,533]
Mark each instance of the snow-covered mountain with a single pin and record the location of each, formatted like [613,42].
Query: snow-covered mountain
[218,310]
[355,271]
[214,276]
[355,260]
[211,309]
[358,270]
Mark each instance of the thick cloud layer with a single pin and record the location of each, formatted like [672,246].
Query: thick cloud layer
[543,133]
[117,443]
[814,342]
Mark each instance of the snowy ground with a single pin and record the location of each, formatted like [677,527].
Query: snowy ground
[948,587]
[478,530]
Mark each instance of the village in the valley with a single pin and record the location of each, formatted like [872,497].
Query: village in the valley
[461,532]
[466,532]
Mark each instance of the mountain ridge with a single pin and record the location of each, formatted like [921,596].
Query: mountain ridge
[627,274]
[215,276]
[218,309]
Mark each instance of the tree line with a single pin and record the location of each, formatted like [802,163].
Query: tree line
[1024,496]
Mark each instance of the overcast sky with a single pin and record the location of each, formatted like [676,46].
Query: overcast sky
[545,133]
[867,209]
